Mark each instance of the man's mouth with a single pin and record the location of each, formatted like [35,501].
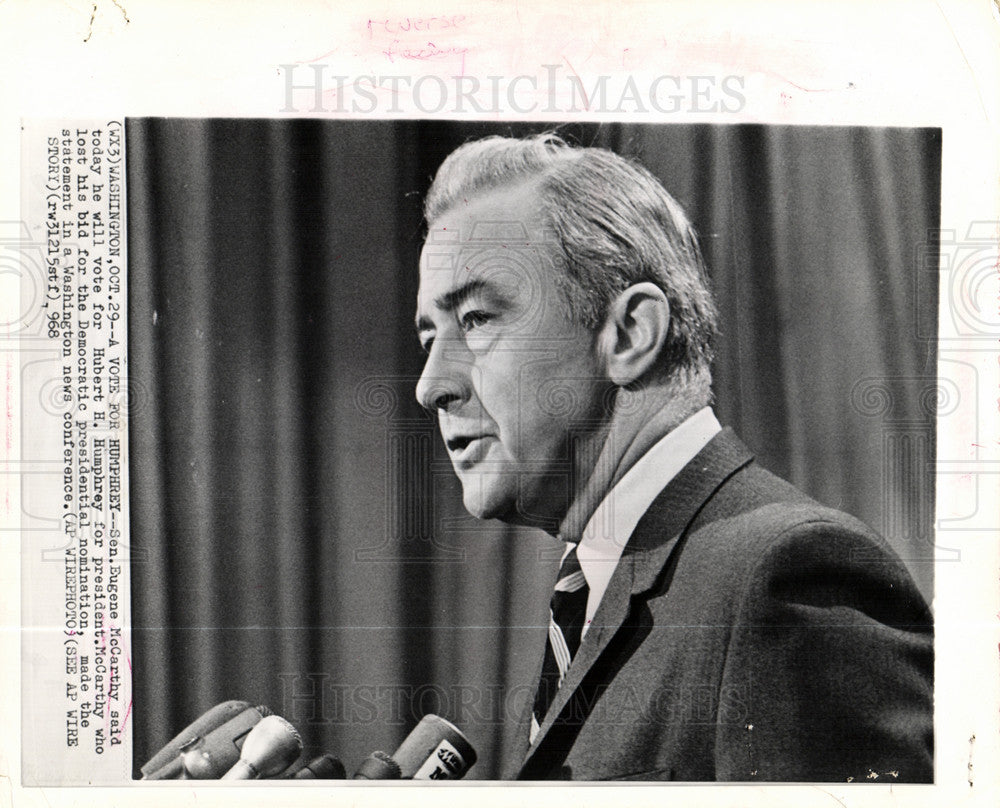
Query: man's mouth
[466,450]
[458,443]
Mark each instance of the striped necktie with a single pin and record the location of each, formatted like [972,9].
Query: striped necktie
[566,616]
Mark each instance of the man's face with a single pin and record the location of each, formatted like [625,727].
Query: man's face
[517,386]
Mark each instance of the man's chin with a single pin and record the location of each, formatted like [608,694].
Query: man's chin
[482,505]
[504,505]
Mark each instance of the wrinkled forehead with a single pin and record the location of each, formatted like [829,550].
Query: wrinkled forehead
[468,246]
[501,243]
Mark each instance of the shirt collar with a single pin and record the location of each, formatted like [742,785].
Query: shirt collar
[609,528]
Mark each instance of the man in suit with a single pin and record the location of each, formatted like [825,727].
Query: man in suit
[709,621]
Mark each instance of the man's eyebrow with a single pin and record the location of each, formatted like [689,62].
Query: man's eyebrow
[452,299]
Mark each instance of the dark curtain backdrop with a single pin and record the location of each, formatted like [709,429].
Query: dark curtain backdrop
[298,537]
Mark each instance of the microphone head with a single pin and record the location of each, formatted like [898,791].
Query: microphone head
[378,766]
[270,748]
[435,750]
[165,764]
[210,757]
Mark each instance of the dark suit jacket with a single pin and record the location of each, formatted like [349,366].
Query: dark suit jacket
[748,633]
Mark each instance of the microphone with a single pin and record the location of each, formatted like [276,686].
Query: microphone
[324,767]
[166,764]
[435,750]
[271,747]
[378,766]
[212,756]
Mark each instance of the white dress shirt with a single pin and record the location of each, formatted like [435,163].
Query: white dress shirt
[605,535]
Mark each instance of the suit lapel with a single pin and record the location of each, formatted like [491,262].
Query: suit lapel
[643,561]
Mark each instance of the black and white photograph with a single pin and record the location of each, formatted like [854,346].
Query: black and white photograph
[611,445]
[581,402]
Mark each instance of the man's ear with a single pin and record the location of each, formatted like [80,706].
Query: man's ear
[634,331]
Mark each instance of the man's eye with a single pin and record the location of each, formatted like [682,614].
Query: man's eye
[473,319]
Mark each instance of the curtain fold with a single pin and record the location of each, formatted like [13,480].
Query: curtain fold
[298,538]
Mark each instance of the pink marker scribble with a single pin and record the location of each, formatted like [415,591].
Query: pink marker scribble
[431,51]
[405,25]
[316,58]
[128,709]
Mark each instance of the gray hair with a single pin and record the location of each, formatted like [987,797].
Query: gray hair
[616,225]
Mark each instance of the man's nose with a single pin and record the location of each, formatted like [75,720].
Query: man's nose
[444,382]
